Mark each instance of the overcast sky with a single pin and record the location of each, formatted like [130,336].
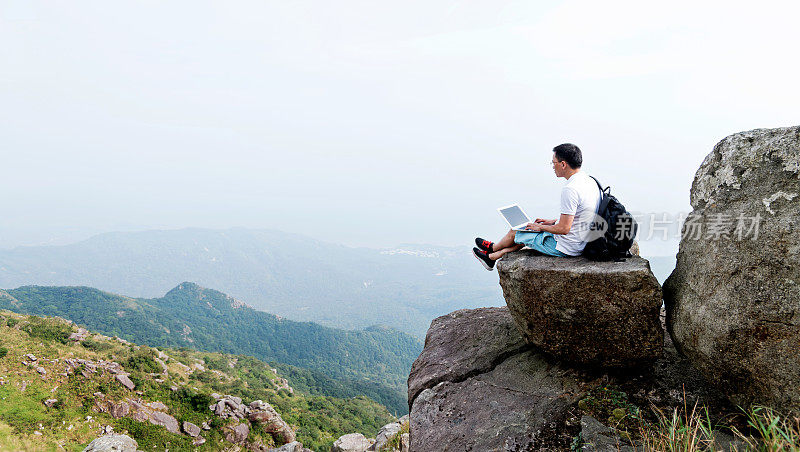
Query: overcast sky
[367,122]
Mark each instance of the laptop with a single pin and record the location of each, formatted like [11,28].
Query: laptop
[515,217]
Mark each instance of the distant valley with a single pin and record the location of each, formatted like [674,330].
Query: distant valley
[286,274]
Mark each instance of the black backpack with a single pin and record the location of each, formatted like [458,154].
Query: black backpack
[620,229]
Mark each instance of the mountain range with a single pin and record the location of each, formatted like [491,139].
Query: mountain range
[290,275]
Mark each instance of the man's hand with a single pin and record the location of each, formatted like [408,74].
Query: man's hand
[543,221]
[533,227]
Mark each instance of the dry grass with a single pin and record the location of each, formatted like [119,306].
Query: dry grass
[692,430]
[678,431]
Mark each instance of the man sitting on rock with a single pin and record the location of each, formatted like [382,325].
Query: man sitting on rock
[566,237]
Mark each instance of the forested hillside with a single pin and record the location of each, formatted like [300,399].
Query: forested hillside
[294,276]
[373,362]
[63,387]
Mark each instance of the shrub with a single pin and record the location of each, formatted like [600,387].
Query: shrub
[48,329]
[143,361]
[206,376]
[3,352]
[217,363]
[11,322]
[97,346]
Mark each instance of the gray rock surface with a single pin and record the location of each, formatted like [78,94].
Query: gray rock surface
[385,434]
[191,429]
[446,359]
[496,394]
[271,422]
[352,442]
[732,300]
[141,412]
[115,409]
[583,312]
[599,438]
[405,442]
[238,433]
[80,335]
[725,442]
[108,443]
[230,407]
[125,381]
[294,446]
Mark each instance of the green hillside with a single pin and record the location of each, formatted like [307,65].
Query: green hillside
[48,406]
[374,362]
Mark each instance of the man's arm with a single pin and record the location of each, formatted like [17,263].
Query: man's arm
[562,227]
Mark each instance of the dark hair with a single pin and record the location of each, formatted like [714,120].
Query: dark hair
[569,153]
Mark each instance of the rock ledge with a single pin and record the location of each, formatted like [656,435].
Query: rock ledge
[587,313]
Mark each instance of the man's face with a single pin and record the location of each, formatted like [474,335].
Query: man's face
[558,167]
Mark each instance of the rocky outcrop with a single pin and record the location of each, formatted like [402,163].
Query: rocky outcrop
[477,386]
[732,300]
[80,335]
[294,446]
[270,421]
[583,312]
[113,443]
[230,407]
[352,442]
[125,381]
[258,411]
[484,338]
[142,412]
[387,433]
[237,434]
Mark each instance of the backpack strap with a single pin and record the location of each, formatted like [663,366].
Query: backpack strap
[602,190]
[604,196]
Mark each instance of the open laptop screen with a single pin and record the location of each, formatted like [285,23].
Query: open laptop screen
[514,215]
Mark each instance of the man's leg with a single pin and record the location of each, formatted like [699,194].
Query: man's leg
[506,242]
[498,254]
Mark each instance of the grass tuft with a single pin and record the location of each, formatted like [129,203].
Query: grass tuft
[773,432]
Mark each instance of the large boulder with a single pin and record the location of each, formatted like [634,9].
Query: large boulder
[477,386]
[271,422]
[387,433]
[733,298]
[583,312]
[446,359]
[115,443]
[145,413]
[352,442]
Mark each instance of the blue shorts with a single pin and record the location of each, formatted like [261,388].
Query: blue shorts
[543,242]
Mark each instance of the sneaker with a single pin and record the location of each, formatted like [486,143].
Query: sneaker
[484,259]
[484,245]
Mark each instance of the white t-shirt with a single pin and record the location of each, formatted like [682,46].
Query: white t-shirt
[580,197]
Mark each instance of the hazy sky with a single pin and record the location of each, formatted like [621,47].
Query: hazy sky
[368,122]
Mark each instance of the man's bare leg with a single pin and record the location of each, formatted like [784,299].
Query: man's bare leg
[498,254]
[506,242]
